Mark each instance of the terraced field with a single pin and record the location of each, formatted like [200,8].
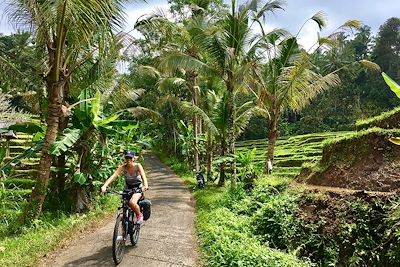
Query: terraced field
[16,186]
[291,152]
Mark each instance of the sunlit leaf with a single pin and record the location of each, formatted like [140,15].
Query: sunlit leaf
[370,65]
[80,178]
[395,140]
[327,41]
[96,106]
[392,84]
[352,24]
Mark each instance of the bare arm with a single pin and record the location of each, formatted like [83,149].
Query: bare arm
[143,175]
[112,178]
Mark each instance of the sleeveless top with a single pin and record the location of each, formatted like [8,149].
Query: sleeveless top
[134,179]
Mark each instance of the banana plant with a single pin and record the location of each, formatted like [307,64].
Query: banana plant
[87,120]
[396,89]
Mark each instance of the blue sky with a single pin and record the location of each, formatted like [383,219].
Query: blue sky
[371,12]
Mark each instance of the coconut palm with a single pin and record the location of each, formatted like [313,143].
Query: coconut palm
[219,116]
[230,53]
[70,32]
[288,81]
[179,38]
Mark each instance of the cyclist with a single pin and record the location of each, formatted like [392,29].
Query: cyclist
[134,176]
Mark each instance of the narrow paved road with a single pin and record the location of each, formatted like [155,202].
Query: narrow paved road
[166,239]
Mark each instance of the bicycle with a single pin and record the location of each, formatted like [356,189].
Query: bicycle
[125,225]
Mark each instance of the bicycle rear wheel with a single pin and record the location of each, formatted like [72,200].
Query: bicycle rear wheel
[118,246]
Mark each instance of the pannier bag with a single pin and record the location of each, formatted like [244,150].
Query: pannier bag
[145,208]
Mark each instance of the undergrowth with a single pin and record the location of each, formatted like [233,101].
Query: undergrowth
[50,232]
[279,225]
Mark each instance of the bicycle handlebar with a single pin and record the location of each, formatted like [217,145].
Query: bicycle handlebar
[126,192]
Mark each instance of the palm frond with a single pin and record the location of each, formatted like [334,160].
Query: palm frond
[243,119]
[351,25]
[192,110]
[149,70]
[320,19]
[322,41]
[142,113]
[170,83]
[307,87]
[370,65]
[270,6]
[176,60]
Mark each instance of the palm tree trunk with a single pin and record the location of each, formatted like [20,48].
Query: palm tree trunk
[272,136]
[34,207]
[231,130]
[209,155]
[61,159]
[195,120]
[221,180]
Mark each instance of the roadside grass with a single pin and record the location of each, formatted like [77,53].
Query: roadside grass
[50,232]
[223,223]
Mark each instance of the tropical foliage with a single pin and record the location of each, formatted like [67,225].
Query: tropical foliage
[203,79]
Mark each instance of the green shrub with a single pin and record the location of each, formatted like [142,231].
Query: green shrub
[227,241]
[275,222]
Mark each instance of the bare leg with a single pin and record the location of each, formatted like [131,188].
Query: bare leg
[133,203]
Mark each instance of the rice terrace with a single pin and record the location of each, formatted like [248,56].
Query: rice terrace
[200,133]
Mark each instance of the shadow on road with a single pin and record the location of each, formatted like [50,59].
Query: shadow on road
[102,257]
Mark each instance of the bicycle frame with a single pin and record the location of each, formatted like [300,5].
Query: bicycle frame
[126,212]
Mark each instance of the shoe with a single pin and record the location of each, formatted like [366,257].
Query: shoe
[139,219]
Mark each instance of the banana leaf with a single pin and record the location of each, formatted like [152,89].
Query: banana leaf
[67,140]
[395,140]
[392,84]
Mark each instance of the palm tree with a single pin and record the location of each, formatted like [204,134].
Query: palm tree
[230,53]
[70,32]
[288,80]
[213,112]
[178,38]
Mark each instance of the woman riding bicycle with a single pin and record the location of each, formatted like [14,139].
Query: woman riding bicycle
[134,176]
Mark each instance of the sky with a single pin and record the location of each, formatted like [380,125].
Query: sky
[370,12]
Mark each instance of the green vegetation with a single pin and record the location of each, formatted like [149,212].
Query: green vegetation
[224,223]
[279,225]
[291,152]
[386,120]
[49,233]
[197,83]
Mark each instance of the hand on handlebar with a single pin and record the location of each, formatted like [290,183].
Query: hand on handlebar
[104,189]
[145,188]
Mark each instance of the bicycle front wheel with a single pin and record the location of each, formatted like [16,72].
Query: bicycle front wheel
[134,234]
[119,237]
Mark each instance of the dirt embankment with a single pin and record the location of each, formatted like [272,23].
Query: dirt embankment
[367,161]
